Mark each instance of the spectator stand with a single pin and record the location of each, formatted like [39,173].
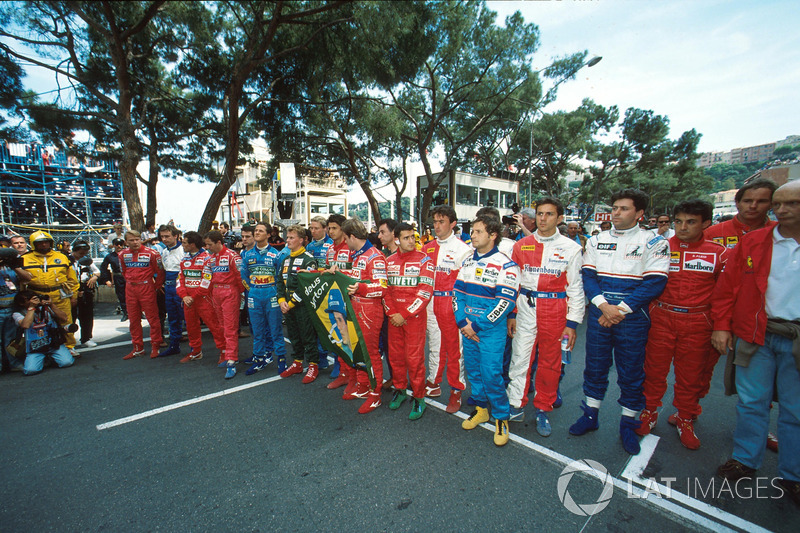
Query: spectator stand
[44,189]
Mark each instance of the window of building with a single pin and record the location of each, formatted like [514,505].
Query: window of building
[507,199]
[489,198]
[319,208]
[337,209]
[466,195]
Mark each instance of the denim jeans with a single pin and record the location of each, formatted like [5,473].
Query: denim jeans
[772,363]
[34,362]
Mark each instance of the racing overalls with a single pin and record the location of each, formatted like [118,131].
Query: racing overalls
[410,284]
[368,266]
[259,268]
[223,281]
[144,276]
[171,258]
[681,326]
[627,268]
[444,339]
[485,292]
[188,284]
[550,299]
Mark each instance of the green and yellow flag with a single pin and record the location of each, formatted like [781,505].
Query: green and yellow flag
[334,318]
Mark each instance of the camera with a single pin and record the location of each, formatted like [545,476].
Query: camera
[509,219]
[10,258]
[44,298]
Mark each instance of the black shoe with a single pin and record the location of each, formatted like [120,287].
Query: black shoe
[124,318]
[791,489]
[734,470]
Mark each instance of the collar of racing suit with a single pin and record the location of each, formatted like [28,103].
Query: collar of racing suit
[367,246]
[477,256]
[620,232]
[542,238]
[449,238]
[298,252]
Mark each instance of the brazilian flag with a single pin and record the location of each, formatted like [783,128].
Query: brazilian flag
[333,317]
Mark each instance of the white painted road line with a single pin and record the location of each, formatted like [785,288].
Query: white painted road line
[634,468]
[128,343]
[670,501]
[159,410]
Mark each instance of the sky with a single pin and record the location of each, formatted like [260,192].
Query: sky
[727,68]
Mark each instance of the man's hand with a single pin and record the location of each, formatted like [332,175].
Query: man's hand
[612,313]
[511,327]
[569,332]
[604,322]
[188,301]
[91,283]
[351,290]
[284,307]
[397,320]
[469,333]
[108,284]
[722,341]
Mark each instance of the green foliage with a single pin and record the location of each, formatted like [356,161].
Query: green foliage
[726,177]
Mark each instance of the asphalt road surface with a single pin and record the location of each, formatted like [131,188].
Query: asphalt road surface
[154,445]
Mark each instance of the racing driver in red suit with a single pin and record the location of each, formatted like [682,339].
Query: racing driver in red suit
[369,268]
[410,276]
[196,306]
[223,280]
[681,322]
[144,276]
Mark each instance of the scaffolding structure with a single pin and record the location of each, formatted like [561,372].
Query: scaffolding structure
[67,197]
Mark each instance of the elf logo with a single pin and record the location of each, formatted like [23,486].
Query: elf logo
[699,262]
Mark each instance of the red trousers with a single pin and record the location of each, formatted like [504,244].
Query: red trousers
[226,299]
[369,313]
[446,332]
[407,353]
[683,339]
[541,326]
[139,297]
[202,309]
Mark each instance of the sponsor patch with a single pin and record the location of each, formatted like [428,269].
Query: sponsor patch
[634,252]
[606,246]
[528,248]
[699,262]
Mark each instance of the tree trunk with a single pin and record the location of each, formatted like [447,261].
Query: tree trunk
[127,173]
[229,172]
[152,180]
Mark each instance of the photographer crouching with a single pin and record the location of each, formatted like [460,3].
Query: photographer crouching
[39,320]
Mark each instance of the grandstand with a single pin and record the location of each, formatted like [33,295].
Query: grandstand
[41,188]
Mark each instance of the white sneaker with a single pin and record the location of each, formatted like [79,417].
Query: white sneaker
[89,344]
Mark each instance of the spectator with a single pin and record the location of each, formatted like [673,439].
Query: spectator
[40,319]
[664,226]
[118,232]
[111,275]
[756,319]
[574,233]
[276,240]
[605,225]
[18,243]
[526,222]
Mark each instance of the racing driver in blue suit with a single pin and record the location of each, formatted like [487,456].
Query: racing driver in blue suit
[624,268]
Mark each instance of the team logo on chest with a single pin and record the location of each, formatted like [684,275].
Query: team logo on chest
[699,262]
[634,252]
